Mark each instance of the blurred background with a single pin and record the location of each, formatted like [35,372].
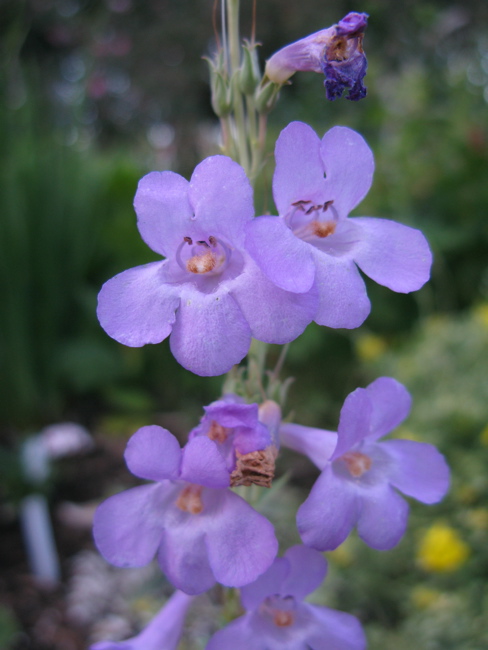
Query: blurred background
[96,93]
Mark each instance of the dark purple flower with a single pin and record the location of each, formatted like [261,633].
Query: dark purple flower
[208,295]
[200,531]
[162,633]
[360,476]
[278,619]
[313,243]
[337,52]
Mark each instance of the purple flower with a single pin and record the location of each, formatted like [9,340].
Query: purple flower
[278,619]
[314,244]
[200,531]
[246,444]
[360,476]
[162,633]
[337,52]
[208,295]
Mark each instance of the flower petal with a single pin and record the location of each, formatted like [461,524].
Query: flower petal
[393,254]
[349,165]
[340,631]
[232,414]
[308,569]
[329,513]
[182,553]
[238,635]
[267,584]
[420,470]
[128,526]
[163,210]
[299,173]
[317,444]
[383,518]
[274,315]
[163,631]
[354,421]
[284,258]
[135,307]
[210,334]
[241,542]
[343,301]
[203,464]
[222,198]
[391,403]
[153,453]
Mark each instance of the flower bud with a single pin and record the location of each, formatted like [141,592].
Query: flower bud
[249,73]
[266,96]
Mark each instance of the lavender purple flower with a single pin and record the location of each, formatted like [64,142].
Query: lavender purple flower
[200,530]
[278,619]
[337,52]
[360,477]
[208,296]
[164,631]
[314,244]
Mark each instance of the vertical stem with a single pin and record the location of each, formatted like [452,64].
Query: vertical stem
[235,61]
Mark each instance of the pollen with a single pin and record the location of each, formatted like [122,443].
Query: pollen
[357,463]
[323,229]
[202,263]
[283,619]
[190,499]
[217,432]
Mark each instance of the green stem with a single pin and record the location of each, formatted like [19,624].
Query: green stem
[235,62]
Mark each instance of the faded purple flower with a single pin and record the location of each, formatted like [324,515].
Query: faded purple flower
[200,531]
[313,243]
[162,633]
[278,619]
[361,477]
[337,52]
[208,296]
[235,427]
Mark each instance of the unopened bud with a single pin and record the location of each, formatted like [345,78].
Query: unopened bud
[249,74]
[266,96]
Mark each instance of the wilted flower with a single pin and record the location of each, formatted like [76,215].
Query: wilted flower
[360,476]
[277,617]
[243,440]
[200,530]
[313,243]
[208,296]
[163,632]
[337,52]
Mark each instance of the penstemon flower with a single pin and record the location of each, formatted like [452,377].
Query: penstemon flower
[278,619]
[246,444]
[208,296]
[360,476]
[313,243]
[162,633]
[200,530]
[337,52]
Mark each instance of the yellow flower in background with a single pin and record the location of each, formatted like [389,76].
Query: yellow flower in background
[480,312]
[484,436]
[441,549]
[370,346]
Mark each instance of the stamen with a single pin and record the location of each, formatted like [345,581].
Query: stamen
[188,240]
[323,229]
[217,432]
[212,241]
[201,263]
[190,499]
[357,463]
[283,619]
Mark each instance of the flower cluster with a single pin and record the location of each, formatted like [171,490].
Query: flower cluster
[226,277]
[229,277]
